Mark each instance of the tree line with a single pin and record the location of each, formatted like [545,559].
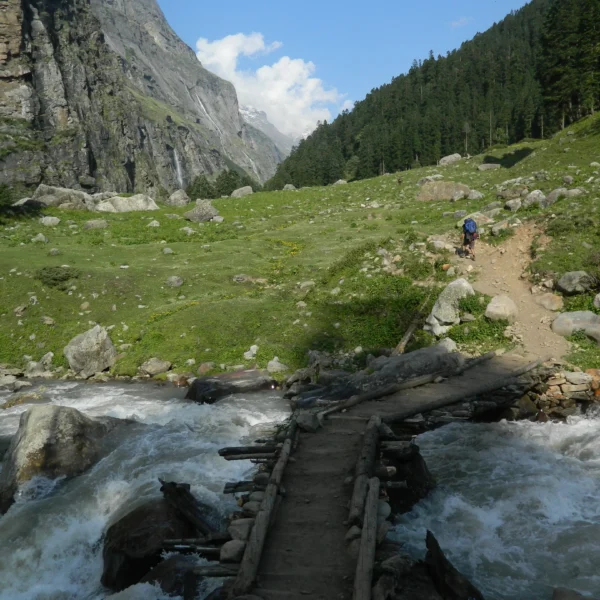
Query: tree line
[226,182]
[526,77]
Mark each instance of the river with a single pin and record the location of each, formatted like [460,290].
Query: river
[50,540]
[517,509]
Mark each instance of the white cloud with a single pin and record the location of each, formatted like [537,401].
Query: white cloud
[287,90]
[462,22]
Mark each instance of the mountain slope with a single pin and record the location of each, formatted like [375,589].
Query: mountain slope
[259,120]
[104,94]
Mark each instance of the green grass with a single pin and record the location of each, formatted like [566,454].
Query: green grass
[330,236]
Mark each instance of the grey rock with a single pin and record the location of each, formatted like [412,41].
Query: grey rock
[91,352]
[443,190]
[202,212]
[155,366]
[568,180]
[41,369]
[575,282]
[218,219]
[500,227]
[50,221]
[575,193]
[55,196]
[446,310]
[502,308]
[554,197]
[308,421]
[21,385]
[429,179]
[536,197]
[178,198]
[448,345]
[103,196]
[354,533]
[251,508]
[242,192]
[475,195]
[460,214]
[274,366]
[54,252]
[240,529]
[595,165]
[340,182]
[167,251]
[40,238]
[513,205]
[208,390]
[118,204]
[450,160]
[567,324]
[174,281]
[579,378]
[188,230]
[552,302]
[489,167]
[288,187]
[153,223]
[232,551]
[52,441]
[96,224]
[597,301]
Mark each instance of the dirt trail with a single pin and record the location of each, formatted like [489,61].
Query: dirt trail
[499,270]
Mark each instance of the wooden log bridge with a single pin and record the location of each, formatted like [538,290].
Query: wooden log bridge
[314,517]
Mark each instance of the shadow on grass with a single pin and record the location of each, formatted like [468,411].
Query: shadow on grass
[510,159]
[9,212]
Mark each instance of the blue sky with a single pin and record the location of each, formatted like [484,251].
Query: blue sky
[308,59]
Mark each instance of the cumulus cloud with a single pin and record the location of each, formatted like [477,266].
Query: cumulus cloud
[462,22]
[287,90]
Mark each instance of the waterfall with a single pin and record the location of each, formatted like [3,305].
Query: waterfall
[178,167]
[209,117]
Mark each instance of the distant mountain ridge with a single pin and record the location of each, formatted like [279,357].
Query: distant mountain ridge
[103,94]
[259,119]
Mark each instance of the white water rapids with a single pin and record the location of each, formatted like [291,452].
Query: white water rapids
[50,541]
[517,509]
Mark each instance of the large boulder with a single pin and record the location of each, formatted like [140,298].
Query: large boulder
[91,352]
[567,324]
[502,308]
[57,196]
[207,390]
[243,191]
[96,224]
[554,197]
[134,544]
[50,221]
[450,160]
[51,442]
[442,190]
[536,197]
[429,179]
[575,282]
[203,211]
[445,312]
[118,204]
[289,187]
[178,198]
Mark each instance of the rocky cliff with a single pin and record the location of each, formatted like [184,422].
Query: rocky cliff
[102,94]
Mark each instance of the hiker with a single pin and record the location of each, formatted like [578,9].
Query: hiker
[470,235]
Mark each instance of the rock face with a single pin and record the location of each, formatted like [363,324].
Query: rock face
[202,212]
[445,312]
[450,160]
[125,103]
[178,198]
[502,308]
[52,441]
[442,190]
[575,282]
[208,390]
[91,352]
[567,324]
[118,204]
[241,192]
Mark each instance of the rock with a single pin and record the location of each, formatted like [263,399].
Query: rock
[288,187]
[478,217]
[354,533]
[167,251]
[445,311]
[202,212]
[443,190]
[579,378]
[7,381]
[251,509]
[96,224]
[240,529]
[170,574]
[242,192]
[178,198]
[448,345]
[500,227]
[460,214]
[450,160]
[429,179]
[502,308]
[232,551]
[595,165]
[489,167]
[174,281]
[51,442]
[91,352]
[513,205]
[565,594]
[187,230]
[50,221]
[535,197]
[475,195]
[155,366]
[40,238]
[56,196]
[134,544]
[41,369]
[118,204]
[306,285]
[308,421]
[552,302]
[575,193]
[153,223]
[54,252]
[566,324]
[597,301]
[251,354]
[48,321]
[205,368]
[575,282]
[20,385]
[554,197]
[217,220]
[340,182]
[208,390]
[274,366]
[568,180]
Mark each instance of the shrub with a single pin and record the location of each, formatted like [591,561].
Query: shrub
[56,277]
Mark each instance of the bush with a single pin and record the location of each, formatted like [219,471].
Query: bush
[201,189]
[56,277]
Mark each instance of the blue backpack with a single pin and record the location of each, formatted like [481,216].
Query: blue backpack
[470,226]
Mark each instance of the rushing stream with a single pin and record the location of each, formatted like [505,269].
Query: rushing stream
[517,509]
[50,545]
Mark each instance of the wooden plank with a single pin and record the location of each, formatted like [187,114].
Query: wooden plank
[363,580]
[265,456]
[239,450]
[366,458]
[357,503]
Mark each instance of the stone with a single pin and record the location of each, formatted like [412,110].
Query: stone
[384,510]
[96,224]
[306,285]
[536,197]
[133,545]
[475,195]
[595,165]
[240,529]
[443,190]
[554,197]
[251,509]
[429,179]
[41,369]
[579,379]
[242,192]
[251,354]
[565,594]
[48,321]
[274,366]
[308,421]
[449,345]
[575,193]
[340,182]
[489,167]
[597,301]
[178,198]
[91,352]
[205,368]
[513,205]
[54,252]
[40,238]
[568,180]
[354,533]
[288,187]
[202,212]
[575,282]
[450,160]
[187,230]
[50,221]
[155,366]
[118,204]
[20,385]
[56,196]
[566,324]
[446,311]
[478,217]
[460,214]
[170,575]
[232,551]
[51,442]
[217,219]
[502,308]
[208,390]
[174,281]
[552,302]
[153,223]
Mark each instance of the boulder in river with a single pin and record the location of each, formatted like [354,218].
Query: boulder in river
[51,442]
[170,574]
[91,352]
[208,390]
